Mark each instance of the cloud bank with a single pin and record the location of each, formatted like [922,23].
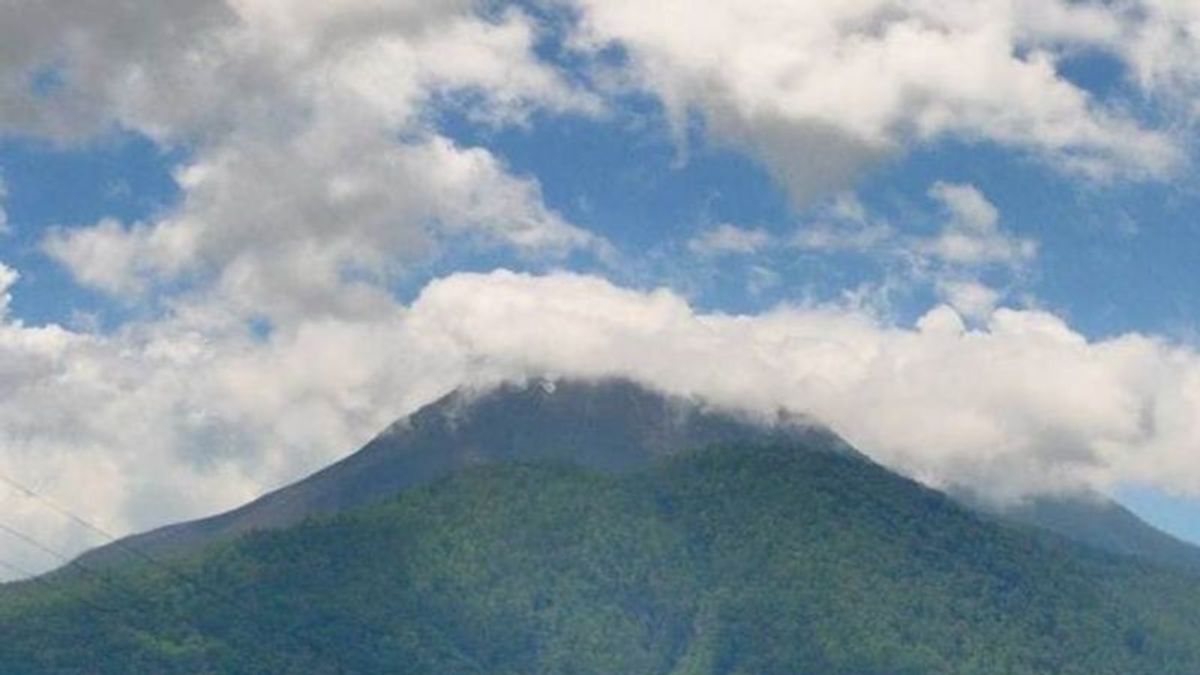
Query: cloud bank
[1022,405]
[163,421]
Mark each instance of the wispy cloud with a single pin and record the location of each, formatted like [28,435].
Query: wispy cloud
[725,239]
[971,235]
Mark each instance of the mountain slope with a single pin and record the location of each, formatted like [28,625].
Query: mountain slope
[1098,521]
[754,558]
[613,425]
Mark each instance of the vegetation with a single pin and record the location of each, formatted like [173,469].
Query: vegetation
[748,561]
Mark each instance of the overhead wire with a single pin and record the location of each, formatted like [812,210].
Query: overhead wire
[230,600]
[54,506]
[27,576]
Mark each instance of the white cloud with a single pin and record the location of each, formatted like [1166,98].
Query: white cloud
[279,226]
[969,239]
[8,278]
[969,207]
[845,225]
[761,279]
[3,213]
[1160,40]
[193,413]
[187,68]
[313,154]
[729,239]
[1022,405]
[971,236]
[820,90]
[970,298]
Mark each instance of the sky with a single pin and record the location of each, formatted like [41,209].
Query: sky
[240,237]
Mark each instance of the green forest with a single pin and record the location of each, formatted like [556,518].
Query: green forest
[751,560]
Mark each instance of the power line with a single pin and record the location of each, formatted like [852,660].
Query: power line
[18,570]
[32,578]
[69,563]
[63,511]
[230,600]
[42,580]
[63,558]
[35,543]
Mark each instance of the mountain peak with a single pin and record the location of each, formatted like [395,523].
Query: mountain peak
[610,424]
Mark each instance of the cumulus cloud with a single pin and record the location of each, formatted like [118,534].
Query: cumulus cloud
[971,235]
[844,225]
[184,416]
[729,239]
[194,68]
[1160,40]
[313,156]
[820,90]
[967,242]
[970,298]
[281,226]
[8,277]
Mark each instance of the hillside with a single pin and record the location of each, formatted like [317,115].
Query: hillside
[612,425]
[748,558]
[1098,521]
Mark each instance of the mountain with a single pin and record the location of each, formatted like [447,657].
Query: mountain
[599,527]
[1098,521]
[772,556]
[611,425]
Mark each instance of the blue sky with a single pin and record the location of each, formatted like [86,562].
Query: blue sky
[206,201]
[1115,257]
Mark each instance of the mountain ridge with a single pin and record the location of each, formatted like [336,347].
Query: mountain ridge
[1098,521]
[602,527]
[611,424]
[772,559]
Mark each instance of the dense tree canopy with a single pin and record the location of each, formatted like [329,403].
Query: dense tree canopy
[737,560]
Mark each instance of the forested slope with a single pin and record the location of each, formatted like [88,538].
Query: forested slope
[738,559]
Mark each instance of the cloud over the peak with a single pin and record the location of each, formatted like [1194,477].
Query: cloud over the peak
[185,415]
[1021,405]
